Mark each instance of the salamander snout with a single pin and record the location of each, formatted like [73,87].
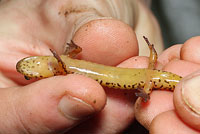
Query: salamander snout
[28,67]
[38,67]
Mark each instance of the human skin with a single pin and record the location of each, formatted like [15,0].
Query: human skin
[46,106]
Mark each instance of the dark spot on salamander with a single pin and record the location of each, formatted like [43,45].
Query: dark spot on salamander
[161,86]
[118,85]
[94,101]
[100,81]
[129,86]
[139,85]
[124,86]
[166,81]
[113,84]
[107,83]
[159,80]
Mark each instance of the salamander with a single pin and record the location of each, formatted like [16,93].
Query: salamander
[141,79]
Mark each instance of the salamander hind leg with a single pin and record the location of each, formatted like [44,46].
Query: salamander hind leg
[148,86]
[72,49]
[141,93]
[153,54]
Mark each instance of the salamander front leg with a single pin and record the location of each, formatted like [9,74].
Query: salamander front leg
[60,62]
[72,49]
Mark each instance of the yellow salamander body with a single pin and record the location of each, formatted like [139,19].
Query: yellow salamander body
[115,77]
[112,77]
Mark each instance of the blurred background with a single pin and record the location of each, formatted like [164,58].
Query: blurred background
[179,19]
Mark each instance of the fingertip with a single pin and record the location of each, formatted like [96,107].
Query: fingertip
[135,62]
[191,49]
[169,123]
[170,54]
[186,100]
[181,67]
[106,41]
[160,101]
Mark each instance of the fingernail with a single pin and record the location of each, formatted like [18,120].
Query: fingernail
[74,108]
[191,93]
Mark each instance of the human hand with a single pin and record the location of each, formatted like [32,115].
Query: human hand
[177,112]
[46,106]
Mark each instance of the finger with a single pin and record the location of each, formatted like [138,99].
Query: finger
[181,67]
[172,53]
[114,118]
[50,105]
[106,41]
[170,123]
[186,100]
[25,32]
[160,101]
[191,49]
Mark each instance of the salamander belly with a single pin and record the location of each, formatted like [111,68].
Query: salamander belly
[115,77]
[123,78]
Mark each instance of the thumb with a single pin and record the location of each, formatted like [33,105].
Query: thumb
[50,105]
[186,100]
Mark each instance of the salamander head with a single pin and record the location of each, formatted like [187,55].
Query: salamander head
[38,67]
